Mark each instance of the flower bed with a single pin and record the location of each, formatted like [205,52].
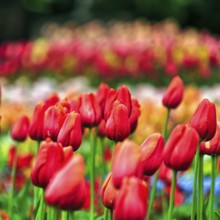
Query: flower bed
[89,151]
[136,51]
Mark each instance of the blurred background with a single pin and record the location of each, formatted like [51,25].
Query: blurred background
[23,19]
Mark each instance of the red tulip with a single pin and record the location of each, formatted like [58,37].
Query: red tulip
[101,128]
[101,95]
[37,121]
[210,147]
[204,120]
[152,151]
[165,174]
[126,162]
[178,195]
[20,128]
[108,192]
[124,97]
[53,121]
[180,148]
[174,93]
[131,201]
[89,110]
[70,133]
[51,100]
[110,99]
[50,159]
[118,124]
[23,160]
[67,189]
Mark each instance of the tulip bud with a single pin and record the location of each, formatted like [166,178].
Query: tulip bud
[50,159]
[101,95]
[124,97]
[174,93]
[152,151]
[165,174]
[51,100]
[70,133]
[111,98]
[204,120]
[20,128]
[126,162]
[181,147]
[118,124]
[67,189]
[90,110]
[53,120]
[131,201]
[23,160]
[108,192]
[210,147]
[101,128]
[37,122]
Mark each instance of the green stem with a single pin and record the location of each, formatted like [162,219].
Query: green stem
[11,192]
[165,124]
[111,214]
[36,189]
[64,215]
[171,204]
[105,213]
[212,190]
[200,188]
[41,210]
[92,175]
[52,213]
[193,211]
[103,165]
[153,190]
[71,215]
[152,195]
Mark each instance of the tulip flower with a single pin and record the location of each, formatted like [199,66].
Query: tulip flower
[165,174]
[180,148]
[210,147]
[19,131]
[131,201]
[50,159]
[204,120]
[174,93]
[118,124]
[101,95]
[67,189]
[51,100]
[110,99]
[126,162]
[101,128]
[152,151]
[53,121]
[37,122]
[89,110]
[23,160]
[70,133]
[124,97]
[108,192]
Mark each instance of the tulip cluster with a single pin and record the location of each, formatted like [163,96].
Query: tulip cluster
[64,127]
[137,49]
